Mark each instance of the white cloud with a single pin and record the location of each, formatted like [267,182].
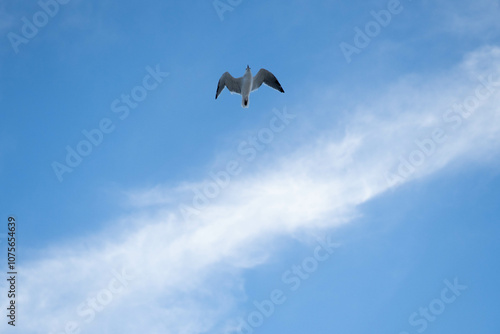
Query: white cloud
[183,269]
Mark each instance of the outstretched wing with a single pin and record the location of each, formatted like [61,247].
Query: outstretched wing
[264,76]
[227,80]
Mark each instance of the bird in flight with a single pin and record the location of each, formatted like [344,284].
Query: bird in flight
[247,83]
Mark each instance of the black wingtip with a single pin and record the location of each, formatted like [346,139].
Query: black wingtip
[279,85]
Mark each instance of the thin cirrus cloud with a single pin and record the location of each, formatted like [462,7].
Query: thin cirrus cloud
[470,18]
[196,265]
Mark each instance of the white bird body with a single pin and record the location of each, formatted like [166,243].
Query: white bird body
[246,87]
[247,83]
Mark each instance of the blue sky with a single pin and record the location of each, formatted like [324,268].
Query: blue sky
[364,199]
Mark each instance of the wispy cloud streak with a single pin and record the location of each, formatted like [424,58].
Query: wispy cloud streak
[181,270]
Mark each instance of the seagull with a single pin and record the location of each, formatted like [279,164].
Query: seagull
[246,84]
